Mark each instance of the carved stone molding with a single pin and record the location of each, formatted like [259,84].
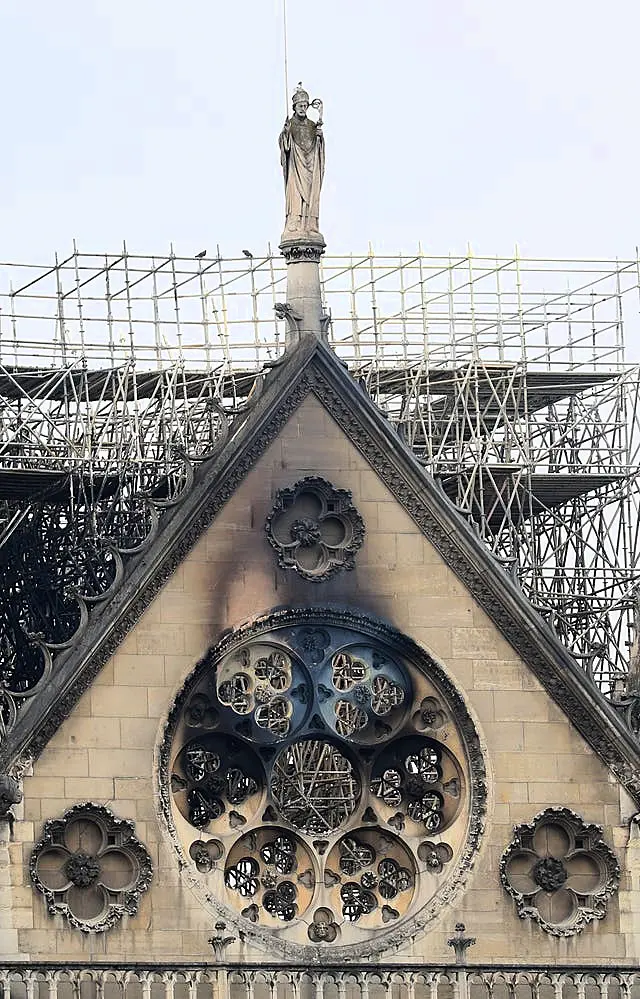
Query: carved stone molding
[560,871]
[90,867]
[315,529]
[294,251]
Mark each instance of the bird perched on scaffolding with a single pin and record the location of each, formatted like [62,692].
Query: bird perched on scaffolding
[200,255]
[248,254]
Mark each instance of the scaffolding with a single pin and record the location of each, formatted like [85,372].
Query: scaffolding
[506,376]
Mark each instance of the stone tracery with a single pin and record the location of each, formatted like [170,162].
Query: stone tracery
[560,871]
[299,825]
[90,867]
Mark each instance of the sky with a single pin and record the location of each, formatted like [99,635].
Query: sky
[447,122]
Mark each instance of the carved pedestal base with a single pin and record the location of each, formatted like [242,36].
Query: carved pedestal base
[303,309]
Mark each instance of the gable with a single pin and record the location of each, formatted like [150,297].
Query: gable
[312,368]
[105,749]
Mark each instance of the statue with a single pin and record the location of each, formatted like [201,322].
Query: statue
[302,158]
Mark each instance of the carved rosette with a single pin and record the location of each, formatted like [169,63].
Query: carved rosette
[323,784]
[315,529]
[90,867]
[560,871]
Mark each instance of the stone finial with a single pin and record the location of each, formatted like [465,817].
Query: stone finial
[460,943]
[220,942]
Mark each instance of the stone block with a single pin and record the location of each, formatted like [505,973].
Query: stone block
[316,455]
[461,672]
[32,810]
[125,762]
[599,791]
[162,638]
[177,668]
[181,609]
[373,488]
[524,766]
[504,736]
[443,611]
[41,787]
[57,761]
[436,641]
[476,642]
[176,579]
[143,668]
[119,702]
[543,794]
[105,676]
[158,701]
[22,918]
[88,788]
[23,831]
[85,732]
[557,736]
[515,791]
[198,637]
[509,706]
[379,549]
[409,550]
[83,707]
[139,733]
[494,674]
[394,518]
[482,703]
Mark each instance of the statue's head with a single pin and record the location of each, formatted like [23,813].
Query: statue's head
[300,102]
[10,793]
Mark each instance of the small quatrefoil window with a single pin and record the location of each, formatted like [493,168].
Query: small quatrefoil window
[560,871]
[90,867]
[315,529]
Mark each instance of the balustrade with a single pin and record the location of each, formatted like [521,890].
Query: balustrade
[140,981]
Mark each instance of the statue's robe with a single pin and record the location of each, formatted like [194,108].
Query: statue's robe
[302,157]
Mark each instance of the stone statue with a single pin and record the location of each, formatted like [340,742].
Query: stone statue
[302,158]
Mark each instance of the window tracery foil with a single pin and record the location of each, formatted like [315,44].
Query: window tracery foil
[324,782]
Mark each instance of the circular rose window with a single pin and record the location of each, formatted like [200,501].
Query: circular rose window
[324,783]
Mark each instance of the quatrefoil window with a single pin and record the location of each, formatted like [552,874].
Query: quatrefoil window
[560,871]
[90,867]
[315,529]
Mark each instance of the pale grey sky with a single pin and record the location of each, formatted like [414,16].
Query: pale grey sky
[446,121]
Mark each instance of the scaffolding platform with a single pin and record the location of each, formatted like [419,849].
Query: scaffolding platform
[507,376]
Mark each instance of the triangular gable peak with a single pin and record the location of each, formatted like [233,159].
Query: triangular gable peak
[312,368]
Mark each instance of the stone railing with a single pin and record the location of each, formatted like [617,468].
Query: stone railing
[270,981]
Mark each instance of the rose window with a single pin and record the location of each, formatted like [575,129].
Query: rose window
[323,780]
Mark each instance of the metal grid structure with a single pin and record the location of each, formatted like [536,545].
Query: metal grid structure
[506,376]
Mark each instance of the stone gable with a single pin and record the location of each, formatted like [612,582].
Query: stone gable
[104,752]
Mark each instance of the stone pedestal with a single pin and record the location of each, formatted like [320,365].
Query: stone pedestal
[303,311]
